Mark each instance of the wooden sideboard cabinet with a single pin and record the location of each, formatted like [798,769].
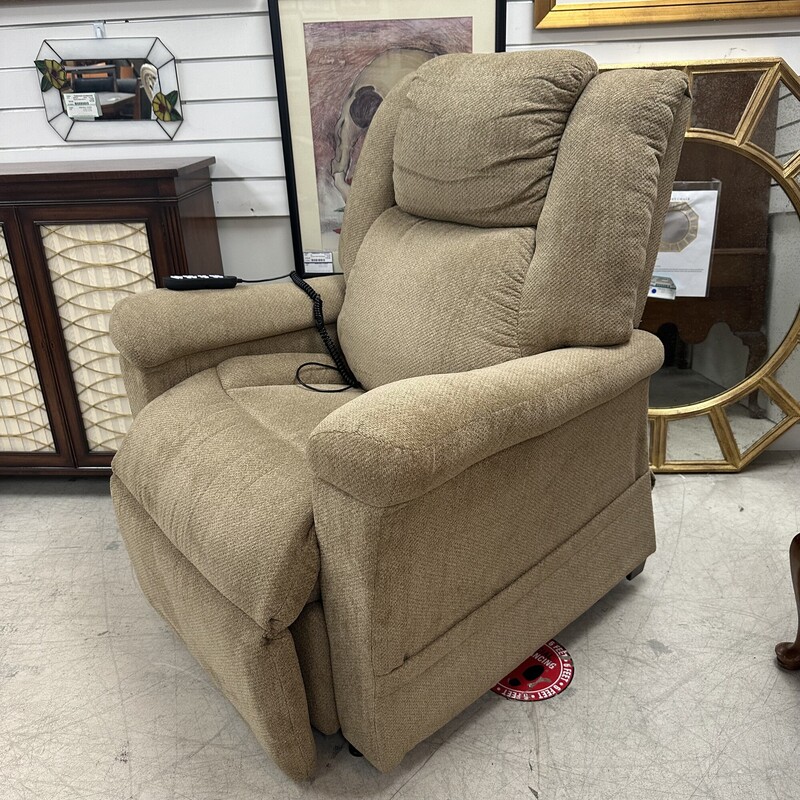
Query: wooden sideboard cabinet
[74,239]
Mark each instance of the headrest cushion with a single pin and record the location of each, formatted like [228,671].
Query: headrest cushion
[478,139]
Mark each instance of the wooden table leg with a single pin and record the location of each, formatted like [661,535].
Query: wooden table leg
[789,652]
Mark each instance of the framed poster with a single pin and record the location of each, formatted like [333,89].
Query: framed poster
[335,61]
[591,13]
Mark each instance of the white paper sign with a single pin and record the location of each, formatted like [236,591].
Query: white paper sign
[687,241]
[82,105]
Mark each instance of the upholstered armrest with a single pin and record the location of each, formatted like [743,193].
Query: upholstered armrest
[401,440]
[165,337]
[152,328]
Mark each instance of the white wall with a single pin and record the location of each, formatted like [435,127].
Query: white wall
[625,44]
[227,81]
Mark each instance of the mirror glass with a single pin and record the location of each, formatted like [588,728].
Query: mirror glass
[713,343]
[707,89]
[747,429]
[691,439]
[788,374]
[776,133]
[109,89]
[727,312]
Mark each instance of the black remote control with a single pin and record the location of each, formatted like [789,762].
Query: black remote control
[182,283]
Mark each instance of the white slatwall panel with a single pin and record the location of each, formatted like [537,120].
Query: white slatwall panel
[199,37]
[209,80]
[677,42]
[41,12]
[266,246]
[259,197]
[19,88]
[203,121]
[227,82]
[235,159]
[244,79]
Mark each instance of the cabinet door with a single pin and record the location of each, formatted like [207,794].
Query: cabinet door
[85,260]
[32,430]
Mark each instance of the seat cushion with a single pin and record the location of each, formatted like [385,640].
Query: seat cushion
[218,462]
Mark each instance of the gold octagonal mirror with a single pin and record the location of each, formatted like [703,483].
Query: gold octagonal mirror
[731,378]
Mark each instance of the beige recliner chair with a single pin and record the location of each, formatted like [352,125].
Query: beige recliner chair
[334,559]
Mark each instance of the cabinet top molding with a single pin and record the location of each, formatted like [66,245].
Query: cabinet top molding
[104,170]
[119,182]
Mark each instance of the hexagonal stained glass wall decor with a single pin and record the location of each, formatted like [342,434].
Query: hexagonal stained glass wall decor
[122,89]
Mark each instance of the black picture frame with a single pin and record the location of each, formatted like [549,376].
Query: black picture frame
[284,113]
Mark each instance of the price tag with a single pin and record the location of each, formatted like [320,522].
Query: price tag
[82,106]
[318,262]
[662,288]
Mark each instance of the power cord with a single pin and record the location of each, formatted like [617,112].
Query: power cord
[183,283]
[351,382]
[266,280]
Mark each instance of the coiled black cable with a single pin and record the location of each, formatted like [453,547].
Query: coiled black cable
[335,353]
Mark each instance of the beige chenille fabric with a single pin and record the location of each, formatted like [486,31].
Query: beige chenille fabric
[228,443]
[418,433]
[377,192]
[257,670]
[556,281]
[416,584]
[194,331]
[334,559]
[477,140]
[589,563]
[314,656]
[186,323]
[591,262]
[471,310]
[666,176]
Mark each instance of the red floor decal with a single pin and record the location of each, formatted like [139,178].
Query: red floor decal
[544,674]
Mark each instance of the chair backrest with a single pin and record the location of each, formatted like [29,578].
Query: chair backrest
[94,84]
[504,205]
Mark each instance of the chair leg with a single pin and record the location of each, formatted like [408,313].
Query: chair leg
[788,653]
[637,571]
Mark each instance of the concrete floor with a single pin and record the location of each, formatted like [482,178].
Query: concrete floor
[676,693]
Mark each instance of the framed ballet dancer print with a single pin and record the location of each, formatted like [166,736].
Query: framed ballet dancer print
[335,61]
